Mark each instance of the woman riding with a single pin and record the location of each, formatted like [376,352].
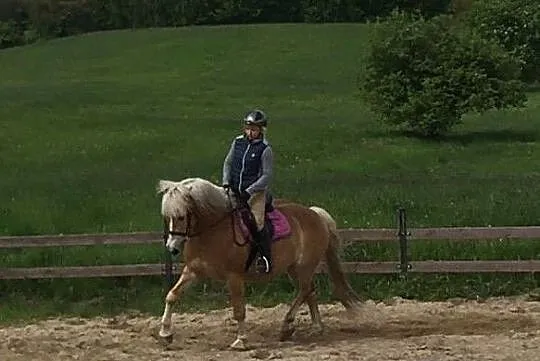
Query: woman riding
[247,171]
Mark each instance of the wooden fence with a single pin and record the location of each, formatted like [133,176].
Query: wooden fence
[401,235]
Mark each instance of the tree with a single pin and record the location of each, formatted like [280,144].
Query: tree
[424,75]
[515,24]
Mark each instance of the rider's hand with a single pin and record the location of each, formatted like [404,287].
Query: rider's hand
[245,196]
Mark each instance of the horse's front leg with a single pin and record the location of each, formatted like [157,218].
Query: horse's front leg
[236,292]
[186,278]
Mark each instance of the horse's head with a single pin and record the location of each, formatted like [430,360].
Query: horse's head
[176,211]
[185,205]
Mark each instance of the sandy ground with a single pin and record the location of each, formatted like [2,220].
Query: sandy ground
[497,329]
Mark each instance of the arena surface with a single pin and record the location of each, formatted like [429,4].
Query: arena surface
[497,329]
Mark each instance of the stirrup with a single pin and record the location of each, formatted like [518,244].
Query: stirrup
[263,266]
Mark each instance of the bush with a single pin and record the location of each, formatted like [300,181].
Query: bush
[14,33]
[515,24]
[425,75]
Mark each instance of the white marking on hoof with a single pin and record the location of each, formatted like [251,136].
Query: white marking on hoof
[165,333]
[238,344]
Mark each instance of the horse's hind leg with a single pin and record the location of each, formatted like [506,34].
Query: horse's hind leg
[305,288]
[287,328]
[186,278]
[311,300]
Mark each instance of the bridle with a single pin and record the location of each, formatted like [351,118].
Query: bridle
[168,232]
[186,233]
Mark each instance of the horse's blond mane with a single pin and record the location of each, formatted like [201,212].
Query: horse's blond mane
[178,197]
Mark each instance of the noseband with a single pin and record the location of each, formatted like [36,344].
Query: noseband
[168,232]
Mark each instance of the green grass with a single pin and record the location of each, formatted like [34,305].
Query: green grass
[89,124]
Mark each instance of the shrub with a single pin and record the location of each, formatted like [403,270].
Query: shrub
[424,75]
[515,24]
[13,34]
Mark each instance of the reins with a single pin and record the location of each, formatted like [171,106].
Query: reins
[232,221]
[186,233]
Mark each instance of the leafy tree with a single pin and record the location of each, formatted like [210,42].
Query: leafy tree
[515,24]
[424,75]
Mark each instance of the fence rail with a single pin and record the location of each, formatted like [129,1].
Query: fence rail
[386,267]
[402,235]
[348,234]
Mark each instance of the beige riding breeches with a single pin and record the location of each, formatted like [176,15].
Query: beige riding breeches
[257,204]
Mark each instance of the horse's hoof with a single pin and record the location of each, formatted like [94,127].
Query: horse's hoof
[318,330]
[354,309]
[286,334]
[166,337]
[167,340]
[238,345]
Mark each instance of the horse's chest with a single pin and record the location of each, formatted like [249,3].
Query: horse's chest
[205,269]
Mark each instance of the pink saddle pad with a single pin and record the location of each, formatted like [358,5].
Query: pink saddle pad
[280,224]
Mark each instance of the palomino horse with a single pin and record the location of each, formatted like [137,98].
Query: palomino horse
[199,219]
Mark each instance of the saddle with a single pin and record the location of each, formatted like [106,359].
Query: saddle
[276,226]
[275,222]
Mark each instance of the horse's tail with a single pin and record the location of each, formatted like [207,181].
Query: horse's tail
[342,289]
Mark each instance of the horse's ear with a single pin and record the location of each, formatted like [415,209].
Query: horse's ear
[163,186]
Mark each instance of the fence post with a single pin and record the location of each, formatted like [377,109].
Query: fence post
[404,264]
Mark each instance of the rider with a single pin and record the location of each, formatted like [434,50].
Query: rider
[247,171]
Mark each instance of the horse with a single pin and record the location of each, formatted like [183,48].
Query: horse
[201,220]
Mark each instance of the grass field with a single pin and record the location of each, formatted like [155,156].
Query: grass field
[89,124]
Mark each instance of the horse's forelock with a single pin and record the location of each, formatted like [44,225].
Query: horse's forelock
[192,194]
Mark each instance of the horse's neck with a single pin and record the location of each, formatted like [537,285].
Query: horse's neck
[211,215]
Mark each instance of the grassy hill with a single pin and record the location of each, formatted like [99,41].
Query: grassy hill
[89,124]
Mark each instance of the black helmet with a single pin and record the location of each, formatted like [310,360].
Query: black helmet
[256,117]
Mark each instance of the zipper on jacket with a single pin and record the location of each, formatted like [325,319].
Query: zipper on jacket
[242,170]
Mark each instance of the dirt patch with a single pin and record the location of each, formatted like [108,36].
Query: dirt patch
[497,329]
